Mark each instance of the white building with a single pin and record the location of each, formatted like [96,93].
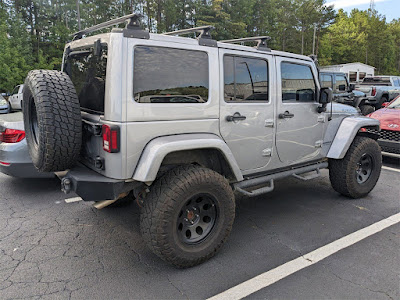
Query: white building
[354,71]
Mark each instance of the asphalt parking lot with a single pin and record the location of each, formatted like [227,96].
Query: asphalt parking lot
[50,249]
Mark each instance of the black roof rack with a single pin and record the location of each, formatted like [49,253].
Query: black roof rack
[204,37]
[132,28]
[261,45]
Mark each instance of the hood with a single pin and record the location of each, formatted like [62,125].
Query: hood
[358,93]
[343,109]
[389,118]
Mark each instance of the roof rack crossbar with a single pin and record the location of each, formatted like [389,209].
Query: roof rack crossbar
[204,37]
[132,24]
[261,41]
[203,30]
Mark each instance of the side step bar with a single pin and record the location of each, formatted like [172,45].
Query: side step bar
[267,182]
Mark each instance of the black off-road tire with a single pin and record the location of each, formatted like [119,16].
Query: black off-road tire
[162,209]
[384,99]
[343,172]
[367,109]
[52,120]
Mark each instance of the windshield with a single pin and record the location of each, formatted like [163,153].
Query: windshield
[88,74]
[395,103]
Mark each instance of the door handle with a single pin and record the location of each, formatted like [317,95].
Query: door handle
[286,115]
[236,117]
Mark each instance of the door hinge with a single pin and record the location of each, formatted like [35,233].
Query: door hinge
[321,119]
[267,152]
[269,123]
[318,144]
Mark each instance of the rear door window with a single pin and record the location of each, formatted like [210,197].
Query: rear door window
[245,79]
[167,75]
[341,85]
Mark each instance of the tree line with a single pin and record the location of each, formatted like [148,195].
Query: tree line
[33,32]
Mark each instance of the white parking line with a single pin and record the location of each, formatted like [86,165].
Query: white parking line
[266,279]
[391,169]
[75,199]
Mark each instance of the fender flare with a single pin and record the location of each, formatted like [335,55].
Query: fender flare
[346,133]
[156,150]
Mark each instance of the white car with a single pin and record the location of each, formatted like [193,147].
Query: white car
[4,105]
[16,97]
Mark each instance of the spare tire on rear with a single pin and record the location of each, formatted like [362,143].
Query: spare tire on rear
[52,120]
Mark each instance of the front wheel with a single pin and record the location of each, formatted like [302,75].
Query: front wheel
[188,215]
[358,172]
[367,109]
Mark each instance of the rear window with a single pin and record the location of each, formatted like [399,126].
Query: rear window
[377,80]
[88,74]
[167,75]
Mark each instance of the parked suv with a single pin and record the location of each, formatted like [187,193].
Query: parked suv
[240,118]
[344,93]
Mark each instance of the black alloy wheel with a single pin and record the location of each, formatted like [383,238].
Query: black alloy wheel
[197,218]
[365,167]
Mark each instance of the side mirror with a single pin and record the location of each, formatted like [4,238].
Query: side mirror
[342,87]
[352,87]
[325,96]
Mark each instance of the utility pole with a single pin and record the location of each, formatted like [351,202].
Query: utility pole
[313,43]
[79,15]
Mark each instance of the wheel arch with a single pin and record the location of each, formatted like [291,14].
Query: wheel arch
[207,150]
[348,129]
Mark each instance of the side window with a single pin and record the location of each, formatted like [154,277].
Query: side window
[167,75]
[245,79]
[15,91]
[396,81]
[326,81]
[298,83]
[341,83]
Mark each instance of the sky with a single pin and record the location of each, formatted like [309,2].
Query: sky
[388,8]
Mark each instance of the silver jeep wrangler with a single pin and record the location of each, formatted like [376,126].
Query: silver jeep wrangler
[186,125]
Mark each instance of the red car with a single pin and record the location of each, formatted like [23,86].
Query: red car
[389,116]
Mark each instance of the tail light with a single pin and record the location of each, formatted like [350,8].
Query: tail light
[373,93]
[12,136]
[111,138]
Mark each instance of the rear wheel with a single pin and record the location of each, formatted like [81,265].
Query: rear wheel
[52,120]
[188,215]
[358,172]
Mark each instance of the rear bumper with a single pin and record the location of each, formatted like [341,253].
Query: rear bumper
[92,186]
[17,162]
[23,170]
[389,146]
[4,110]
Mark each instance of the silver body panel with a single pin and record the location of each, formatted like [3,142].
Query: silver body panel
[157,149]
[346,133]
